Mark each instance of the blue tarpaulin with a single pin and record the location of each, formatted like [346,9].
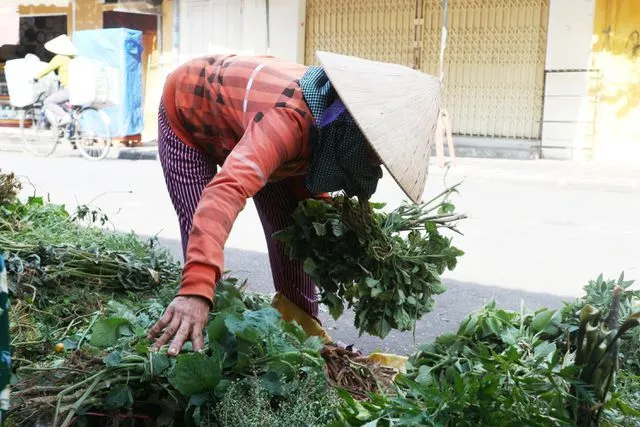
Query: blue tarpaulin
[120,48]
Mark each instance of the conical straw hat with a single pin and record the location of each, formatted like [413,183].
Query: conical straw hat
[61,45]
[396,108]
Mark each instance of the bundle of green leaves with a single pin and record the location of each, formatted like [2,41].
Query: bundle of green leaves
[110,371]
[47,248]
[386,266]
[506,368]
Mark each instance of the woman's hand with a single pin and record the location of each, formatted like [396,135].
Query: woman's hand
[183,320]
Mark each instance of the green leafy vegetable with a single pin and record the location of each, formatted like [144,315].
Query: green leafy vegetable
[386,266]
[195,373]
[106,331]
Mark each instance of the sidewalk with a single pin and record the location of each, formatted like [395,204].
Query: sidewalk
[10,142]
[559,172]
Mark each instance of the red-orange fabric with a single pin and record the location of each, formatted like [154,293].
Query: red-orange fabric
[204,101]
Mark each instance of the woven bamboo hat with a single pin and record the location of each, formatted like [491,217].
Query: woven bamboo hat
[396,109]
[61,45]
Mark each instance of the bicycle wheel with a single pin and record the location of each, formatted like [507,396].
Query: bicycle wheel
[93,134]
[38,136]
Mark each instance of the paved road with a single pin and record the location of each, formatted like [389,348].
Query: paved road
[537,230]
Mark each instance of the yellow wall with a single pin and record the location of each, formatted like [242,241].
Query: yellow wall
[616,52]
[167,26]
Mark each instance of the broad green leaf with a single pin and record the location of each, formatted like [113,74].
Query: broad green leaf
[494,325]
[159,363]
[253,325]
[113,359]
[142,347]
[272,383]
[627,409]
[542,320]
[118,397]
[544,349]
[508,336]
[105,332]
[424,376]
[469,325]
[196,373]
[335,306]
[320,229]
[216,328]
[371,282]
[337,228]
[309,266]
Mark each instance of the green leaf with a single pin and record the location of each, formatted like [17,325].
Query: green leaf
[217,329]
[438,287]
[371,282]
[159,363]
[627,409]
[253,325]
[542,320]
[118,397]
[336,307]
[544,349]
[105,332]
[142,347]
[494,325]
[469,325]
[309,266]
[337,228]
[271,382]
[320,229]
[113,359]
[446,208]
[196,373]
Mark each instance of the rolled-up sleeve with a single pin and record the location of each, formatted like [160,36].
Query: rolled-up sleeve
[270,140]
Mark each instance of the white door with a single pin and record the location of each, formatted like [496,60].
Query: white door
[209,26]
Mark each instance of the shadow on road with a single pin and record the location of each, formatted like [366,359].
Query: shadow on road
[460,299]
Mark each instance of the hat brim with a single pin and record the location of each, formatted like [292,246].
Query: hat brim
[395,107]
[61,45]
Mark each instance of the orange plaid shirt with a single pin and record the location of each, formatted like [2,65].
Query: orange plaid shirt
[256,136]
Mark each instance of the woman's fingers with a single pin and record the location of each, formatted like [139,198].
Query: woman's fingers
[197,337]
[184,319]
[171,330]
[161,324]
[181,336]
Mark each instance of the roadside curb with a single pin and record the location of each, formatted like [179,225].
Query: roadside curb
[138,153]
[120,153]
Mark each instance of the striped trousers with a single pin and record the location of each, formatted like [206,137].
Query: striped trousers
[187,171]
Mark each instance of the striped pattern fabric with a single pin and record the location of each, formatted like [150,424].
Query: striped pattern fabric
[187,171]
[248,117]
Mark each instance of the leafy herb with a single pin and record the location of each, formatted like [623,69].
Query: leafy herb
[507,368]
[386,266]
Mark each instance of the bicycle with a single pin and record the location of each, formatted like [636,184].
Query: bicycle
[87,129]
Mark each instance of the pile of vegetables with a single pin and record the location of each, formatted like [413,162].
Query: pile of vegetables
[504,367]
[81,357]
[386,266]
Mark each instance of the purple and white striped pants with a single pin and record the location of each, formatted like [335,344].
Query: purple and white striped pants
[187,171]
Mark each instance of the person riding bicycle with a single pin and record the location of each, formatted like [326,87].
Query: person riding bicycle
[64,50]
